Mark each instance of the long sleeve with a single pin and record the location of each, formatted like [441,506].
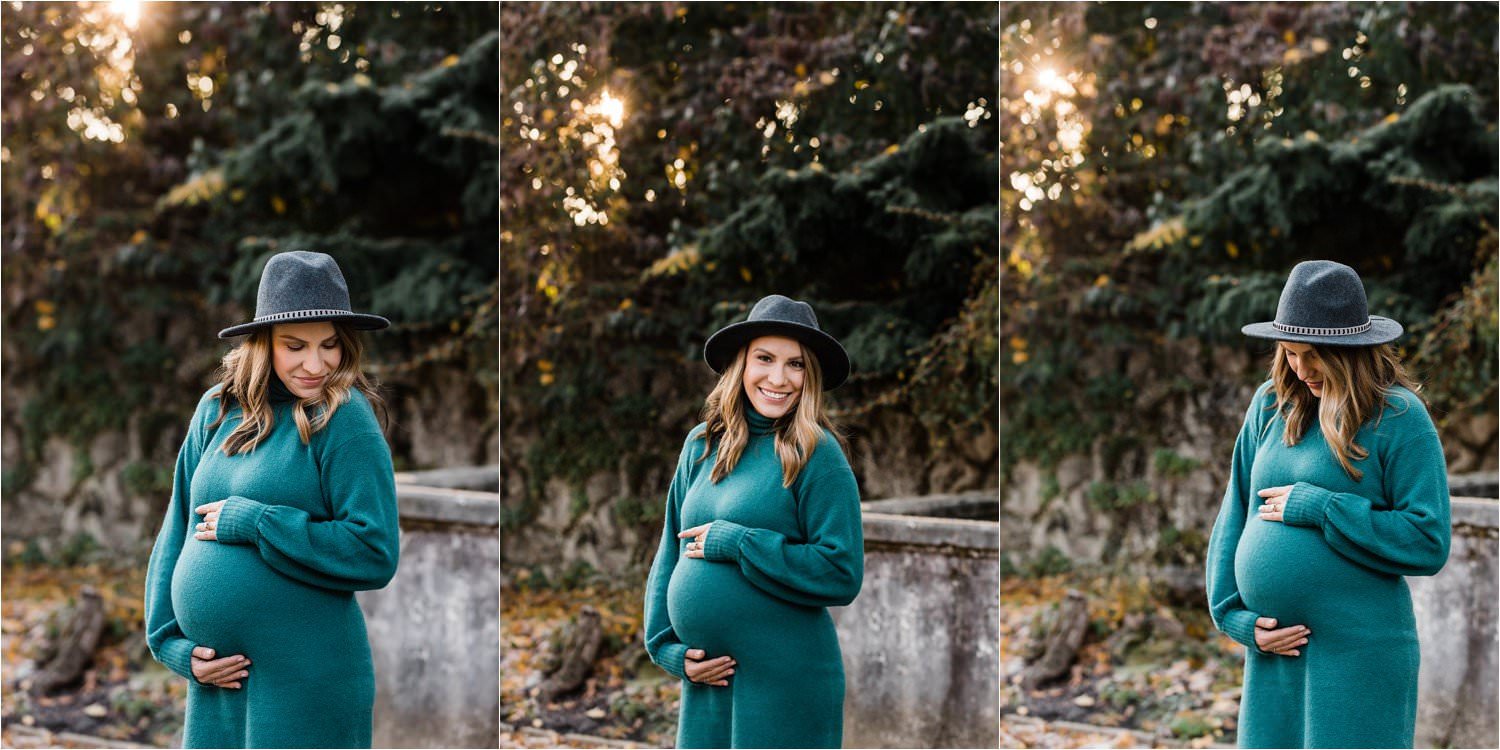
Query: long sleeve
[163,635]
[827,569]
[1412,536]
[662,644]
[1224,603]
[355,550]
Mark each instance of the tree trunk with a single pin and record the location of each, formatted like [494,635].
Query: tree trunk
[1062,643]
[76,649]
[577,657]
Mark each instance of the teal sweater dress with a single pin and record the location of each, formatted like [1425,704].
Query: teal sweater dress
[302,528]
[774,560]
[1336,566]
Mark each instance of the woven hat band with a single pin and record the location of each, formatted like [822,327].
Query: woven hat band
[298,314]
[1305,331]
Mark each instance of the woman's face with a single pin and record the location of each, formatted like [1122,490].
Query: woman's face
[304,355]
[1304,361]
[773,374]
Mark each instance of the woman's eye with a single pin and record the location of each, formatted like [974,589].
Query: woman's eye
[331,346]
[294,348]
[797,365]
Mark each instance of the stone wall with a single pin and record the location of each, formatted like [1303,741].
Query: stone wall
[84,490]
[920,642]
[890,456]
[1456,615]
[435,630]
[1177,481]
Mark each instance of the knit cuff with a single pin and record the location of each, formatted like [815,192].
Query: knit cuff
[239,520]
[722,543]
[1239,624]
[1306,505]
[670,658]
[176,654]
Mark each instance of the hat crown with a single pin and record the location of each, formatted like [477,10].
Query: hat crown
[1323,294]
[784,309]
[301,280]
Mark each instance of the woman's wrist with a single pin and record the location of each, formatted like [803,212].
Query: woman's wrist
[239,520]
[722,542]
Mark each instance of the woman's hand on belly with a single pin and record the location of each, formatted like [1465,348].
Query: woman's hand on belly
[225,673]
[714,671]
[1275,503]
[1282,641]
[698,534]
[208,528]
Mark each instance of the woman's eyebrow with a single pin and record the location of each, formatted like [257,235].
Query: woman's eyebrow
[290,337]
[794,357]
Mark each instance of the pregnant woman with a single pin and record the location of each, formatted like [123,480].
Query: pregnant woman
[283,505]
[762,534]
[1337,490]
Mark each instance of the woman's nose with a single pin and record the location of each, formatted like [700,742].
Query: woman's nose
[313,365]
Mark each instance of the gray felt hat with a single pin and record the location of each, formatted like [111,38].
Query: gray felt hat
[1324,303]
[780,316]
[300,287]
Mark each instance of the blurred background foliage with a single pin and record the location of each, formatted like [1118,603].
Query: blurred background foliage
[1164,165]
[156,155]
[665,165]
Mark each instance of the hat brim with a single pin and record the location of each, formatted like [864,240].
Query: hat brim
[359,321]
[1382,331]
[727,341]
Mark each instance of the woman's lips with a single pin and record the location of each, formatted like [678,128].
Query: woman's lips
[309,382]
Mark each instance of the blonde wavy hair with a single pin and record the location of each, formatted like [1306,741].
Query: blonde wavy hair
[1356,380]
[797,431]
[245,374]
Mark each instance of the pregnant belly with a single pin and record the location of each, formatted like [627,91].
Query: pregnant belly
[714,607]
[1290,573]
[227,598]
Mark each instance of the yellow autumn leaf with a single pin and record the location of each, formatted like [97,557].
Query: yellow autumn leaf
[745,274]
[545,365]
[546,378]
[1103,280]
[1289,36]
[278,205]
[1232,249]
[450,61]
[1019,357]
[801,70]
[626,304]
[45,307]
[139,237]
[1392,117]
[1017,342]
[893,148]
[45,323]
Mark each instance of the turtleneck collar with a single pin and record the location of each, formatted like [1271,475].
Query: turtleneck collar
[759,423]
[279,393]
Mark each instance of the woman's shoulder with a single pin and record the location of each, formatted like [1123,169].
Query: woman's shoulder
[1405,411]
[355,415]
[829,453]
[209,405]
